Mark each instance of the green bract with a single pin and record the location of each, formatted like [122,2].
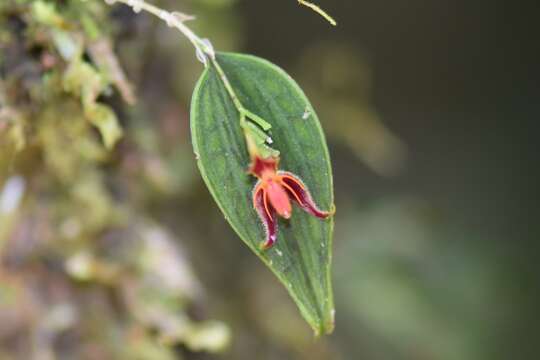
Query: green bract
[301,258]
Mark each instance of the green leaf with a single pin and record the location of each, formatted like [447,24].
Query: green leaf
[46,13]
[102,117]
[301,258]
[83,80]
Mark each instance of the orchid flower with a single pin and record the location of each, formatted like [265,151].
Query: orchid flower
[273,193]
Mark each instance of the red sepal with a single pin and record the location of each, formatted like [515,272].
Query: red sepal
[299,193]
[260,166]
[267,214]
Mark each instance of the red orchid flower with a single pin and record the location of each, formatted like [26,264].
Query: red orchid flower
[272,195]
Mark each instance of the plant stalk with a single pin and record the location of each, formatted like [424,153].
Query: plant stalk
[205,53]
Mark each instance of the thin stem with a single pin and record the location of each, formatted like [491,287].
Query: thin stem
[228,86]
[205,53]
[319,11]
[172,19]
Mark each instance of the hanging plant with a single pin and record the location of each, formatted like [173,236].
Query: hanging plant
[263,156]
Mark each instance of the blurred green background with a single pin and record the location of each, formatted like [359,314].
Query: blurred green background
[431,112]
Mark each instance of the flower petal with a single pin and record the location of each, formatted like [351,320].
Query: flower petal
[267,214]
[300,193]
[279,198]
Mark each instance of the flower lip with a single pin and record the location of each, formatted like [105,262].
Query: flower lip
[278,197]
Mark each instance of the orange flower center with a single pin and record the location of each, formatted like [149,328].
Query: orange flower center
[278,197]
